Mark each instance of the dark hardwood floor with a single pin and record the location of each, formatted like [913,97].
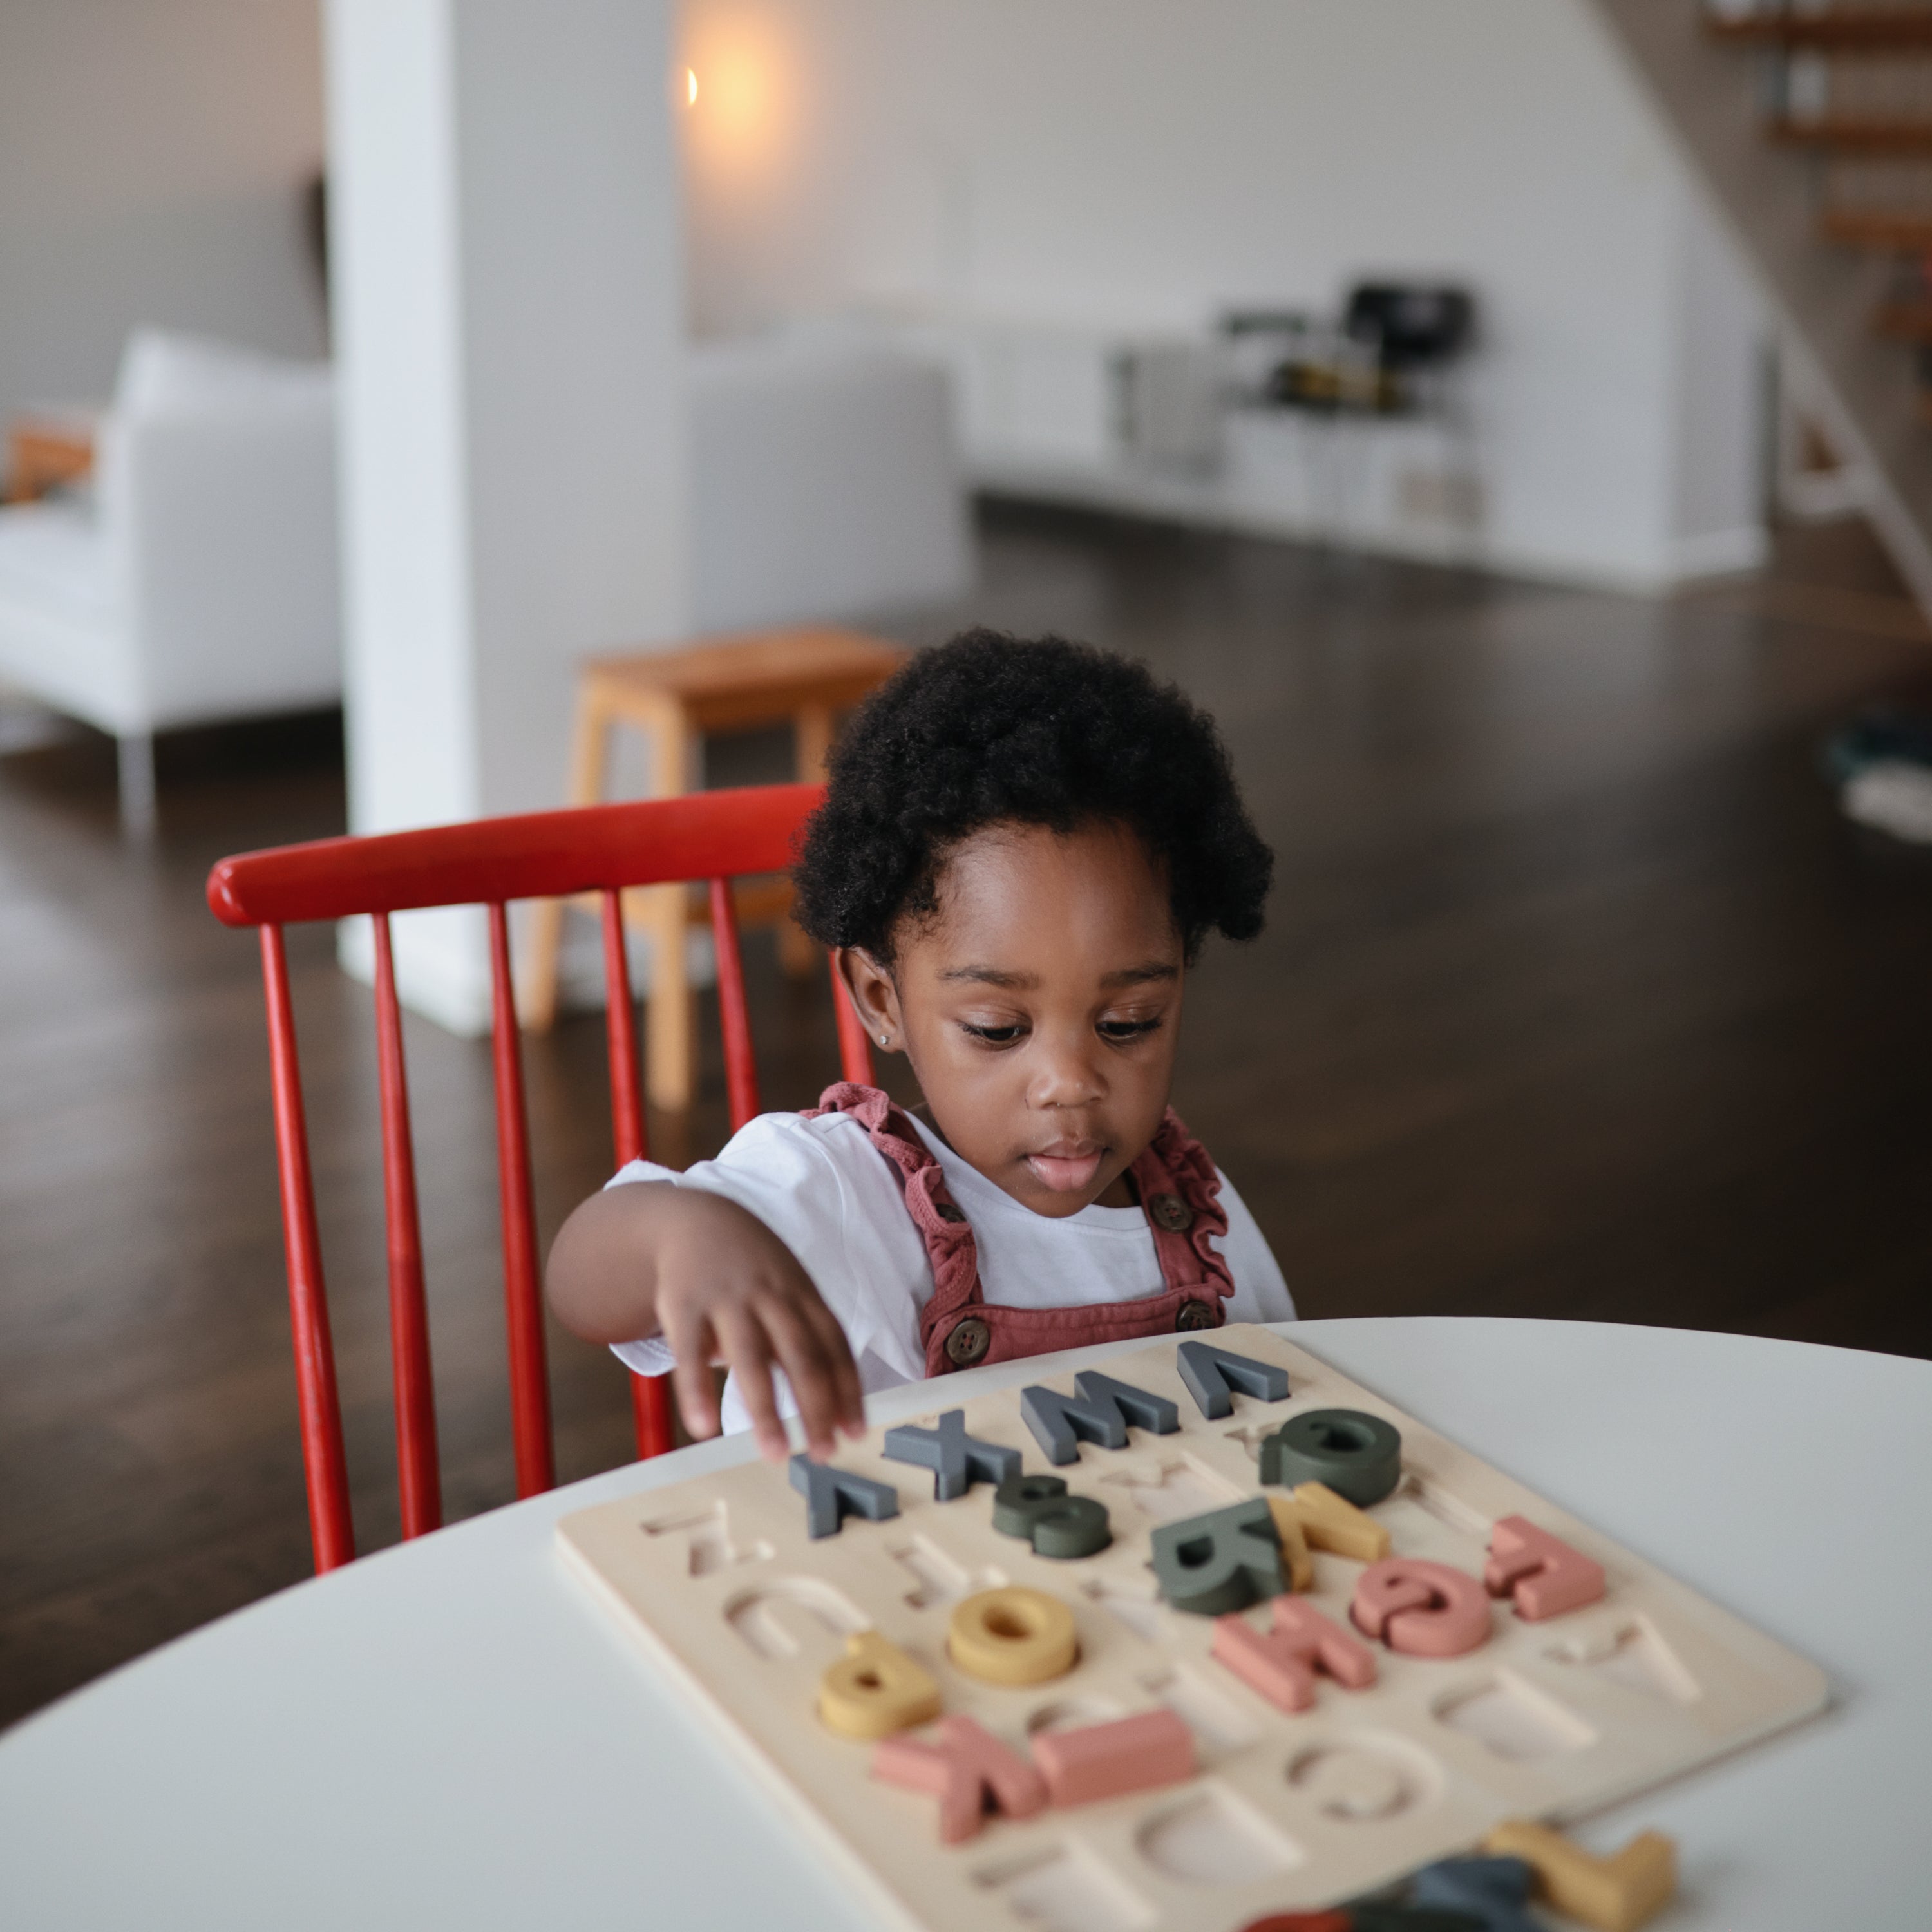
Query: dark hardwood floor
[1578,999]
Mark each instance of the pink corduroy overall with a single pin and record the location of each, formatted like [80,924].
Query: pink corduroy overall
[1177,1187]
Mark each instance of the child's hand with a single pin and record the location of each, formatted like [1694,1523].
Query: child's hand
[729,1291]
[719,1286]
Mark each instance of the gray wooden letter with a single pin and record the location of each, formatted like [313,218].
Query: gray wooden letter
[1154,1413]
[1210,1374]
[832,1494]
[956,1459]
[1099,1413]
[1223,1560]
[1058,1422]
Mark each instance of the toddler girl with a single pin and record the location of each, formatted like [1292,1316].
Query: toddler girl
[1022,848]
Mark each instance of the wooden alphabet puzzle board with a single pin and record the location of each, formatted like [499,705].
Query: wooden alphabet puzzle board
[1547,1721]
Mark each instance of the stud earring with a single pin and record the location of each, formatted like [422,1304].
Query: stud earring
[884,1039]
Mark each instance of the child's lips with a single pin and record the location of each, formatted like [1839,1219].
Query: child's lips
[1067,1168]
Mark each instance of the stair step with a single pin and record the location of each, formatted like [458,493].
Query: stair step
[1790,210]
[1906,231]
[1862,137]
[1846,27]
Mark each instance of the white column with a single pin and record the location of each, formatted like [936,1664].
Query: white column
[509,324]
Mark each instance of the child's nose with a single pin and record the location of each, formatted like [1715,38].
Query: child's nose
[1065,1075]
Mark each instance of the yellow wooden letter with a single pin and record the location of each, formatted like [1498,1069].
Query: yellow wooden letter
[875,1689]
[1294,1541]
[1330,1521]
[1014,1636]
[1615,1894]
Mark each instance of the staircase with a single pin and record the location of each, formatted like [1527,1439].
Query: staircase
[1811,125]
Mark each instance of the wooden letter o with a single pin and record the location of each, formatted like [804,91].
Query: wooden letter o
[1014,1636]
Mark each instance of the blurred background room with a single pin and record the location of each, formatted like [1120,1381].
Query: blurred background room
[1512,419]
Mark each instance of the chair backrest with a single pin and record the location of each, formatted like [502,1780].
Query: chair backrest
[714,836]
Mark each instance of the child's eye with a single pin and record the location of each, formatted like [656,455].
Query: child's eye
[994,1036]
[1125,1029]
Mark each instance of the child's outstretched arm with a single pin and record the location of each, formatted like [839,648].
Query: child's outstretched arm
[652,1258]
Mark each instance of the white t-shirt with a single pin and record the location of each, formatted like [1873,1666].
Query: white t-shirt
[823,1188]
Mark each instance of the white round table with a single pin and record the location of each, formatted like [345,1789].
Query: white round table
[452,1733]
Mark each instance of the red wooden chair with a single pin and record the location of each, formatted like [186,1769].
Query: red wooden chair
[714,836]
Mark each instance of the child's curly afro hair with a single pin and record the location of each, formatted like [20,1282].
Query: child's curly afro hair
[990,729]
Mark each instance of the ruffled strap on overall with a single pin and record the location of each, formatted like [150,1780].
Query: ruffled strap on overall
[1179,1190]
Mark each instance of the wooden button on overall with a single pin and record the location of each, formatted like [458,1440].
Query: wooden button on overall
[1194,1315]
[968,1342]
[1171,1212]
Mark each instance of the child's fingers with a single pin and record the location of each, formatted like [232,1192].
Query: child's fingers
[748,1353]
[687,1336]
[802,1355]
[848,1394]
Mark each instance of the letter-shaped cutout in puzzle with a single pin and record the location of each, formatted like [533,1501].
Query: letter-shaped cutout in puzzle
[1098,1412]
[969,1771]
[1214,1376]
[1058,1526]
[1539,1573]
[875,1689]
[1357,1455]
[1013,1636]
[1108,1760]
[1221,1562]
[1280,1664]
[832,1494]
[1493,1892]
[1330,1521]
[1614,1895]
[956,1459]
[1420,1609]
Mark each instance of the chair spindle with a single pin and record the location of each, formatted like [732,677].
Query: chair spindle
[530,1381]
[419,1478]
[330,1528]
[650,1395]
[734,1018]
[627,1133]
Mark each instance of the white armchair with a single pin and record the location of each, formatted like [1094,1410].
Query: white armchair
[198,580]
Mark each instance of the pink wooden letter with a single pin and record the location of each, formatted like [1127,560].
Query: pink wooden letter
[1281,1664]
[969,1771]
[1422,1610]
[1541,1573]
[1104,1760]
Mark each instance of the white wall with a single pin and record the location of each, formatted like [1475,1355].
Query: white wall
[1140,164]
[152,157]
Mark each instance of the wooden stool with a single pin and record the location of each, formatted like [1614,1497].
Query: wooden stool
[673,697]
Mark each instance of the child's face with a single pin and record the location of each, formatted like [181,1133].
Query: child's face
[1040,1009]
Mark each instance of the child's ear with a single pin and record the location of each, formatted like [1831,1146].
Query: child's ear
[873,994]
